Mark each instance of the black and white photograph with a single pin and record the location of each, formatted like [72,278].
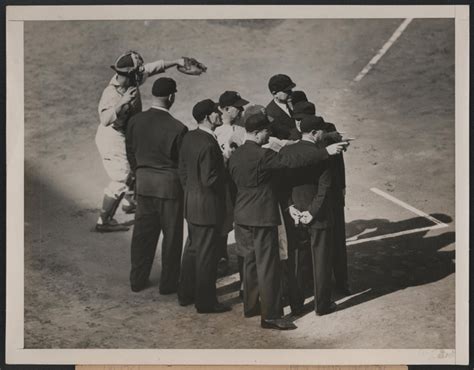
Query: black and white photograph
[237,178]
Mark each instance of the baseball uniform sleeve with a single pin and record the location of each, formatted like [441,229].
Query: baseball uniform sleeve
[153,68]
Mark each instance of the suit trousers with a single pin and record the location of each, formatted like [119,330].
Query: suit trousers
[261,273]
[293,280]
[222,251]
[340,249]
[321,250]
[197,281]
[154,215]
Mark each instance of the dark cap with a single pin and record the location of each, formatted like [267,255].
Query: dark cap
[127,63]
[253,109]
[231,99]
[303,109]
[164,86]
[203,109]
[257,121]
[298,96]
[280,83]
[310,123]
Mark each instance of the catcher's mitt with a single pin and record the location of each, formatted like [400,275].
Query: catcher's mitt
[192,67]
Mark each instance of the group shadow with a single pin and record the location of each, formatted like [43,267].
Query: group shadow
[380,267]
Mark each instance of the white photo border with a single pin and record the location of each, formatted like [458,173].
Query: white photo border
[15,351]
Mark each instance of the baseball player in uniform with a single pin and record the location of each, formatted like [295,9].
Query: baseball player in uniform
[229,136]
[121,100]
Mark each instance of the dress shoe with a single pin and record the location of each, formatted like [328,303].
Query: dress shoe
[139,288]
[278,324]
[330,309]
[217,308]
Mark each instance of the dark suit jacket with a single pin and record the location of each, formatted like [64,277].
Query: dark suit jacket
[201,170]
[294,134]
[309,187]
[253,170]
[282,123]
[336,161]
[337,166]
[153,141]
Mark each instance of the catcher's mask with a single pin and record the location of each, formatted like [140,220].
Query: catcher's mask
[131,65]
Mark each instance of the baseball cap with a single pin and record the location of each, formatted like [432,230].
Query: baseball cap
[127,62]
[280,82]
[302,109]
[231,98]
[257,121]
[164,86]
[298,96]
[310,123]
[203,109]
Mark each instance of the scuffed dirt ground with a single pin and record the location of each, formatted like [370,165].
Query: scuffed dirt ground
[402,114]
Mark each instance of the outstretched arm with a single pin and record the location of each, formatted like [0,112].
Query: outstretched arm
[160,66]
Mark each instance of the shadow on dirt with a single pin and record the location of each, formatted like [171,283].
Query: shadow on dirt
[380,226]
[381,267]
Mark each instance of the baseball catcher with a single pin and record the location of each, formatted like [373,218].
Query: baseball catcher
[120,100]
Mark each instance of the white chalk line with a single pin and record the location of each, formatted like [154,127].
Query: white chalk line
[343,299]
[406,206]
[383,50]
[394,235]
[437,223]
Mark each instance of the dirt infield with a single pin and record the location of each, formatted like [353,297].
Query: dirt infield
[77,293]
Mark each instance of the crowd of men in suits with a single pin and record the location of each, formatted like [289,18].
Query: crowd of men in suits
[268,173]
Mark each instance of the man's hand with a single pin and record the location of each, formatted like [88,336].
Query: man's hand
[295,214]
[306,217]
[337,148]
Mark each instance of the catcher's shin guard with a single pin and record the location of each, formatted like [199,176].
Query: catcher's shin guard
[106,221]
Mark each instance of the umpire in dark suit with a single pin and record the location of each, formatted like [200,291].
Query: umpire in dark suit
[338,189]
[154,138]
[310,203]
[280,109]
[257,218]
[201,170]
[338,193]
